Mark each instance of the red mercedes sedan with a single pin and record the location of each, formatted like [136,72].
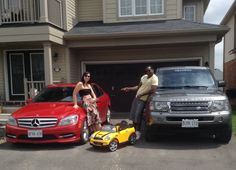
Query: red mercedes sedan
[51,118]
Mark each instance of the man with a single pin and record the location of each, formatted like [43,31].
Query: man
[148,85]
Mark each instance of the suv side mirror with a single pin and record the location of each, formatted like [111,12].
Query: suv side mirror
[221,83]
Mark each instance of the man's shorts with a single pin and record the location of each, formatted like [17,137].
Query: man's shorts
[137,110]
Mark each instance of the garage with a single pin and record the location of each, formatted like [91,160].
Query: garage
[113,76]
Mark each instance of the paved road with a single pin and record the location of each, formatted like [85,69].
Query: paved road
[167,153]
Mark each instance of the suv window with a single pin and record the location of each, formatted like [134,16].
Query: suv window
[184,78]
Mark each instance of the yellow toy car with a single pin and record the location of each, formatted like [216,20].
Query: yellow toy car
[112,135]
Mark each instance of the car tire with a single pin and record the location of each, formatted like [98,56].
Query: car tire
[113,145]
[132,139]
[224,136]
[84,133]
[108,116]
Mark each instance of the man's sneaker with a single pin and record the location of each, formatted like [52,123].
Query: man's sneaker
[138,135]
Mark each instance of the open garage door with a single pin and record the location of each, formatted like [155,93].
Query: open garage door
[112,77]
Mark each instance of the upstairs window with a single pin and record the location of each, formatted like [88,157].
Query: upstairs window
[125,7]
[140,7]
[189,12]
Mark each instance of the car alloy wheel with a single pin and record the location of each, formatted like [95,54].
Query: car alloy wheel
[84,134]
[108,116]
[113,145]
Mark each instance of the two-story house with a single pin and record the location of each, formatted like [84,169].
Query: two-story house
[230,51]
[57,40]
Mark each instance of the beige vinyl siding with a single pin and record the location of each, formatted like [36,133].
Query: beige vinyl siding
[90,10]
[59,63]
[171,9]
[74,67]
[1,75]
[229,41]
[111,12]
[135,54]
[72,13]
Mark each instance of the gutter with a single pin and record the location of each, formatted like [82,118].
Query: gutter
[218,31]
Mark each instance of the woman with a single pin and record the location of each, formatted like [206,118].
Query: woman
[89,102]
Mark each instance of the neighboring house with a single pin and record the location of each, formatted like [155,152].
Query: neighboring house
[50,41]
[230,51]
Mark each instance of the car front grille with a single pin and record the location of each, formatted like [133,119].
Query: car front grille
[97,138]
[37,122]
[45,137]
[207,118]
[190,106]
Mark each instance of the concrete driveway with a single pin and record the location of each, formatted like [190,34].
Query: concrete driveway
[167,153]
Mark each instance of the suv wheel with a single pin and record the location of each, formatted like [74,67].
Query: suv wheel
[224,136]
[148,134]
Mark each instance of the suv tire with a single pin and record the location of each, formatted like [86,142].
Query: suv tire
[224,136]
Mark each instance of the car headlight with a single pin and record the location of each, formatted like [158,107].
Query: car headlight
[107,138]
[219,105]
[12,121]
[93,135]
[159,106]
[70,120]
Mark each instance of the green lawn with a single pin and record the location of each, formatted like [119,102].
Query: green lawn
[234,121]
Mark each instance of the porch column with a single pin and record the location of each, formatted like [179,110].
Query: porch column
[67,58]
[43,11]
[48,63]
[212,56]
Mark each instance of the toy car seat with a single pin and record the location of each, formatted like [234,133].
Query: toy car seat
[123,125]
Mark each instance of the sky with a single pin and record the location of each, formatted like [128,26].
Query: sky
[214,14]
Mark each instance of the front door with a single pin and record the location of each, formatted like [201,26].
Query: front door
[23,64]
[112,77]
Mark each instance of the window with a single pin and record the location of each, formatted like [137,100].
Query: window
[189,13]
[140,7]
[125,7]
[156,6]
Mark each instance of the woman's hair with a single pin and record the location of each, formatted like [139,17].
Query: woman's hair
[85,74]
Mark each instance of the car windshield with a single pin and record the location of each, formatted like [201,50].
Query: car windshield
[185,78]
[56,94]
[108,128]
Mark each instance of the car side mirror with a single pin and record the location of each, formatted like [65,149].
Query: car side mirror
[28,101]
[221,83]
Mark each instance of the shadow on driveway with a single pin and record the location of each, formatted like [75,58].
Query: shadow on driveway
[37,147]
[179,142]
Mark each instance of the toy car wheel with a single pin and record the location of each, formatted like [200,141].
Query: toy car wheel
[132,139]
[113,145]
[84,133]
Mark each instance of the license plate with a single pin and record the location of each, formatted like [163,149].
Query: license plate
[35,133]
[189,123]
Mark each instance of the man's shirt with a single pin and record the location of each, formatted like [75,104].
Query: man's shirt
[146,86]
